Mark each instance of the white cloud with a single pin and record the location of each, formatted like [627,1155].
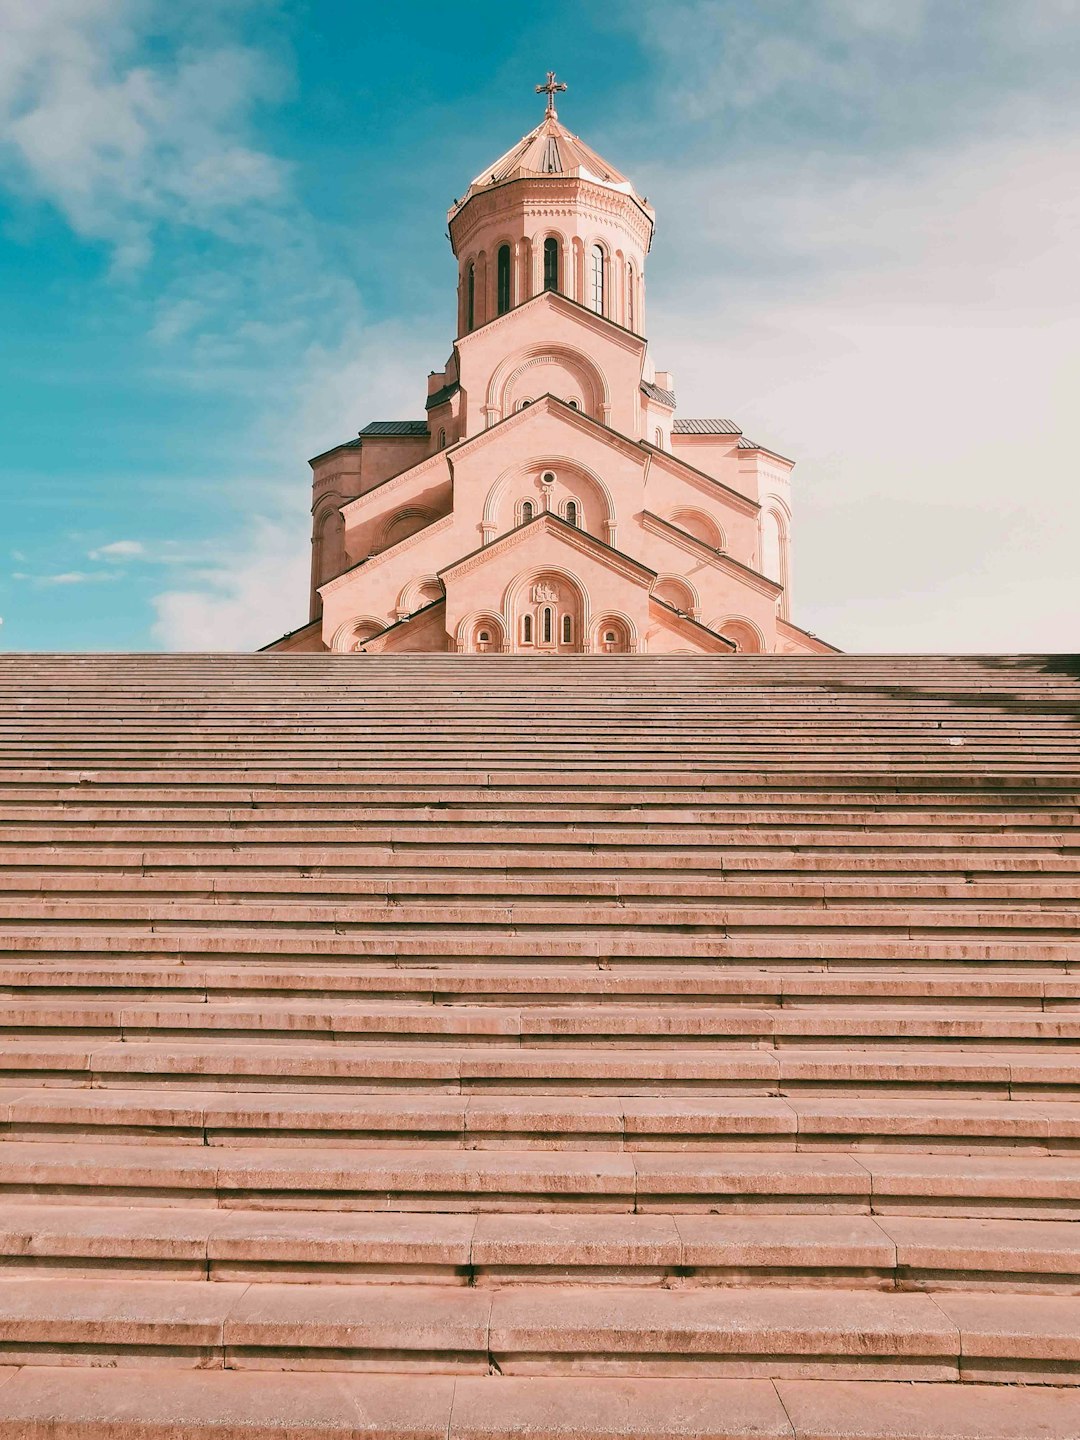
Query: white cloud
[912,338]
[68,577]
[246,604]
[118,142]
[119,550]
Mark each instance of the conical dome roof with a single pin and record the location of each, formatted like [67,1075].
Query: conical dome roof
[551,150]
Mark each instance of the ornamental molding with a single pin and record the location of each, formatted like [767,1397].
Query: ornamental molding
[753,579]
[374,561]
[673,465]
[574,310]
[573,192]
[397,482]
[576,539]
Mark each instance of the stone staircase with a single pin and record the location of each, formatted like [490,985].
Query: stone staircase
[470,1047]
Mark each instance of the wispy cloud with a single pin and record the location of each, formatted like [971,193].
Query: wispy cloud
[68,577]
[119,141]
[119,550]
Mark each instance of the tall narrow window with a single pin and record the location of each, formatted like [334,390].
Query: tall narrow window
[571,512]
[526,629]
[551,264]
[503,280]
[596,279]
[567,630]
[470,297]
[528,510]
[547,624]
[630,297]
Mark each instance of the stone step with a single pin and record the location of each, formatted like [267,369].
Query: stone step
[566,986]
[203,945]
[675,1251]
[766,1333]
[232,887]
[324,1065]
[175,1404]
[1006,1185]
[214,1118]
[365,1022]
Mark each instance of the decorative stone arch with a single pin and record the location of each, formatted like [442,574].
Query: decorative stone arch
[403,523]
[776,515]
[595,394]
[597,242]
[561,465]
[467,637]
[742,632]
[350,637]
[492,296]
[419,592]
[328,556]
[677,591]
[566,259]
[517,597]
[618,624]
[697,523]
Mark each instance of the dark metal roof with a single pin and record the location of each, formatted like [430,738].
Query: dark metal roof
[654,392]
[745,444]
[395,427]
[705,427]
[440,397]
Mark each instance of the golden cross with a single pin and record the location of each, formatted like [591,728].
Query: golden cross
[549,90]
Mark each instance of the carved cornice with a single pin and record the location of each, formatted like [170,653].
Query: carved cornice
[570,194]
[707,483]
[374,561]
[551,405]
[548,524]
[657,525]
[610,329]
[693,629]
[396,482]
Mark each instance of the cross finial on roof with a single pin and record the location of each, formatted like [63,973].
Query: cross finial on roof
[549,89]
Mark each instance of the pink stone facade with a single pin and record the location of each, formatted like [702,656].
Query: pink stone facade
[551,502]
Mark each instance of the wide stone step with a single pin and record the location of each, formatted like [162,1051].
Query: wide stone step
[1006,1185]
[427,945]
[546,1330]
[174,1404]
[522,984]
[369,1021]
[675,1251]
[325,1065]
[202,1118]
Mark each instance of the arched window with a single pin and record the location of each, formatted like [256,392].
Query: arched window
[484,637]
[610,637]
[470,297]
[630,297]
[567,630]
[596,279]
[659,438]
[547,623]
[573,405]
[524,404]
[503,280]
[442,439]
[528,510]
[551,264]
[571,512]
[526,629]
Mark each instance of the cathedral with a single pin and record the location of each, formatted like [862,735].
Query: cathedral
[551,502]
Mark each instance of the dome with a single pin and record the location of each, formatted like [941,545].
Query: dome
[551,151]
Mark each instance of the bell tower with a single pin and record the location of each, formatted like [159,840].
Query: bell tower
[551,214]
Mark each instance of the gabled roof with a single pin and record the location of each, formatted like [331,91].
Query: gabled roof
[550,150]
[440,397]
[547,522]
[705,427]
[395,427]
[657,392]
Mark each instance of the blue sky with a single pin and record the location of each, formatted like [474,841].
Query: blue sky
[222,250]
